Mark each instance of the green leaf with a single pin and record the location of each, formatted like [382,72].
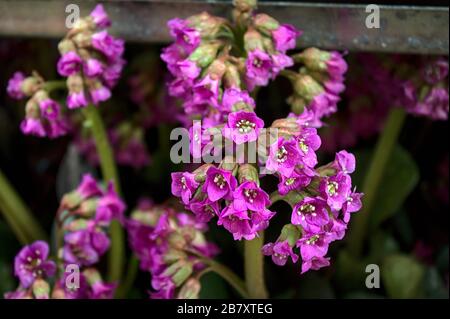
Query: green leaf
[402,276]
[400,178]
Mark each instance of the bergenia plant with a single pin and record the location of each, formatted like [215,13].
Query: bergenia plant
[217,67]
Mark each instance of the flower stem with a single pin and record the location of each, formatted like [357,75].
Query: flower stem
[128,281]
[383,150]
[227,274]
[254,268]
[55,85]
[109,171]
[18,215]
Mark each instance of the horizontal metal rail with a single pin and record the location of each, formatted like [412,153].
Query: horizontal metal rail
[407,29]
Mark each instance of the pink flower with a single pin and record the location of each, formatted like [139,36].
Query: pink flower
[345,162]
[336,65]
[233,96]
[76,100]
[352,204]
[310,213]
[280,252]
[308,143]
[258,68]
[109,207]
[88,187]
[111,47]
[50,109]
[204,211]
[219,184]
[14,86]
[69,64]
[32,126]
[31,263]
[243,127]
[184,186]
[187,37]
[93,67]
[100,17]
[280,62]
[236,222]
[283,157]
[312,245]
[100,94]
[295,181]
[187,69]
[336,189]
[285,37]
[248,196]
[315,263]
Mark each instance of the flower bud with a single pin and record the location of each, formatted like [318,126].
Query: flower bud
[200,173]
[65,46]
[83,39]
[31,84]
[92,276]
[265,23]
[245,5]
[41,289]
[190,289]
[229,164]
[182,274]
[287,126]
[314,59]
[206,24]
[253,40]
[291,233]
[71,200]
[232,78]
[217,69]
[75,225]
[177,241]
[297,104]
[248,172]
[173,255]
[32,109]
[88,208]
[306,87]
[205,54]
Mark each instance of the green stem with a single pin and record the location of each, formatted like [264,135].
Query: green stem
[227,274]
[275,197]
[108,167]
[55,85]
[18,215]
[254,268]
[128,281]
[383,150]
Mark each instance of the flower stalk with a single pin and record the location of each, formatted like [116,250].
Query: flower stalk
[383,150]
[254,268]
[109,171]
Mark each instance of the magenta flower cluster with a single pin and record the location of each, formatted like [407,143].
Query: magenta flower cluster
[91,59]
[43,116]
[322,205]
[168,245]
[215,86]
[210,191]
[85,215]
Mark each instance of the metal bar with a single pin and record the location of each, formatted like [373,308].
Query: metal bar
[408,29]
